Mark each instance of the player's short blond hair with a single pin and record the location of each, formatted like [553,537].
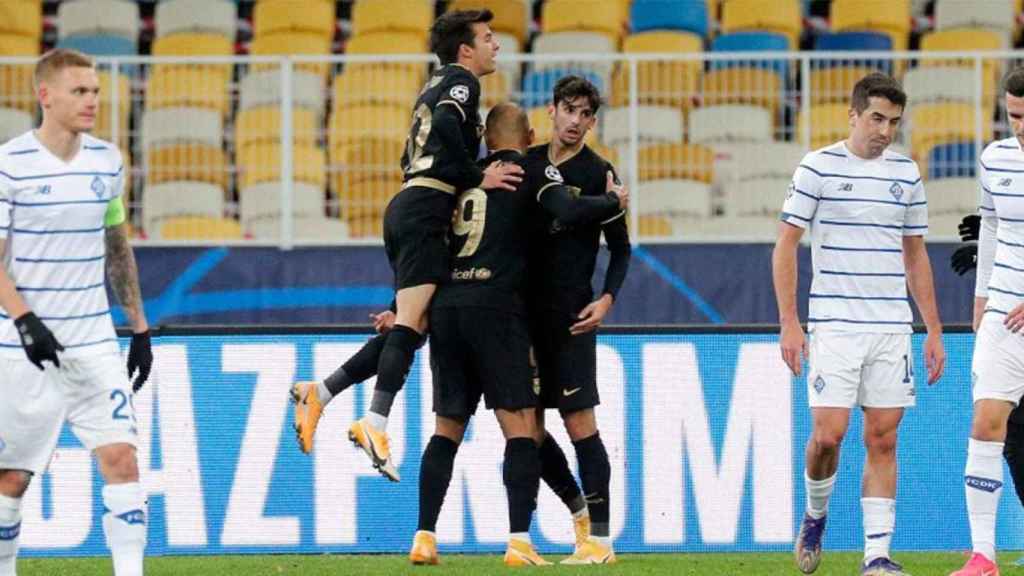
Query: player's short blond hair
[58,59]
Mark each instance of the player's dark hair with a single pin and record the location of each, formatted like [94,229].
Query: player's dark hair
[1013,82]
[454,29]
[877,85]
[571,87]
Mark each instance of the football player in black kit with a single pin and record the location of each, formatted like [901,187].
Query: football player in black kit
[965,258]
[439,161]
[479,338]
[564,317]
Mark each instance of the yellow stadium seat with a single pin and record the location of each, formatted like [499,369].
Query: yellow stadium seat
[354,123]
[262,163]
[104,119]
[298,43]
[663,83]
[960,39]
[542,126]
[195,162]
[654,225]
[890,17]
[582,15]
[362,204]
[200,228]
[830,123]
[263,125]
[755,86]
[510,16]
[296,16]
[368,159]
[782,16]
[186,44]
[414,16]
[21,18]
[375,85]
[16,89]
[607,152]
[187,87]
[835,84]
[676,162]
[933,124]
[388,43]
[493,89]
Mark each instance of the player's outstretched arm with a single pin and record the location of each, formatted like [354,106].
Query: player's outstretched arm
[922,288]
[792,341]
[124,280]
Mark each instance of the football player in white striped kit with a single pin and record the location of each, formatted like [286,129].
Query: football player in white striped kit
[997,369]
[62,222]
[866,210]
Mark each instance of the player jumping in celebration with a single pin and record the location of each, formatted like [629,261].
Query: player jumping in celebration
[564,318]
[997,368]
[439,161]
[61,220]
[479,338]
[866,210]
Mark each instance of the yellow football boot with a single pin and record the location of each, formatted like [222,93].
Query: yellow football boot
[521,553]
[591,552]
[376,445]
[308,409]
[424,549]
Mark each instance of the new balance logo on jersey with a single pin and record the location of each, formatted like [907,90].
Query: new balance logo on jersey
[1006,181]
[896,190]
[985,484]
[819,384]
[846,187]
[44,190]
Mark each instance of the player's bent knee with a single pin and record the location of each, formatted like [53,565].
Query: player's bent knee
[451,428]
[14,483]
[118,463]
[517,423]
[580,424]
[827,440]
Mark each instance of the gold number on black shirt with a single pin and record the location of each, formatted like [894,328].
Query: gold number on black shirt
[470,216]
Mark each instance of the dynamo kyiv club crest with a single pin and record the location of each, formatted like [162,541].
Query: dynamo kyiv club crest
[896,190]
[819,384]
[98,187]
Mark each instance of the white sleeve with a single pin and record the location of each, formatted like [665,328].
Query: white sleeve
[802,197]
[120,176]
[6,204]
[916,221]
[986,236]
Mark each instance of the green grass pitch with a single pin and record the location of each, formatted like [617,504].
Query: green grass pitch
[753,564]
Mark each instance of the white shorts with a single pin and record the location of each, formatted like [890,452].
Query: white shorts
[850,369]
[92,394]
[997,368]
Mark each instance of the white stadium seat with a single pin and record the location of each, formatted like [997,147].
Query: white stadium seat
[208,16]
[304,228]
[746,161]
[89,17]
[174,199]
[657,124]
[755,197]
[956,196]
[674,199]
[575,43]
[182,125]
[13,123]
[730,123]
[510,67]
[264,89]
[934,84]
[264,201]
[995,15]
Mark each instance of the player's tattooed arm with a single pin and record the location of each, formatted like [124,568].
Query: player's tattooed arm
[124,276]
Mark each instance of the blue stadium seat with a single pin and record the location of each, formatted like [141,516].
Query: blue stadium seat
[856,41]
[752,42]
[104,45]
[538,85]
[688,15]
[955,160]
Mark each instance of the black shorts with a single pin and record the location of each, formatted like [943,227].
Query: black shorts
[478,352]
[416,224]
[566,364]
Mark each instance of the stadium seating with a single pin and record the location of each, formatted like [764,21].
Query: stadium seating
[995,15]
[413,16]
[295,17]
[118,18]
[293,43]
[752,42]
[263,125]
[934,84]
[366,159]
[575,43]
[966,39]
[375,43]
[660,83]
[684,15]
[730,123]
[351,124]
[261,162]
[656,124]
[510,16]
[162,202]
[582,15]
[197,16]
[782,16]
[755,197]
[953,160]
[262,201]
[676,162]
[187,87]
[889,17]
[747,161]
[362,205]
[494,88]
[675,198]
[835,84]
[754,86]
[932,124]
[264,89]
[16,89]
[199,228]
[14,122]
[830,123]
[953,197]
[304,229]
[196,44]
[538,86]
[101,45]
[166,126]
[21,19]
[186,162]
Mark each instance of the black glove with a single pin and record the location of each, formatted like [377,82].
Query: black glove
[140,357]
[970,228]
[37,340]
[965,258]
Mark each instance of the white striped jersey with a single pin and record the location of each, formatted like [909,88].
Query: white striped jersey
[52,214]
[1002,196]
[858,212]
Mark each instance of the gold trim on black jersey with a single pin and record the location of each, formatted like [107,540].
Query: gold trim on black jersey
[429,183]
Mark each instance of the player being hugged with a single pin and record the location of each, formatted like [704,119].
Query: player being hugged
[866,210]
[62,221]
